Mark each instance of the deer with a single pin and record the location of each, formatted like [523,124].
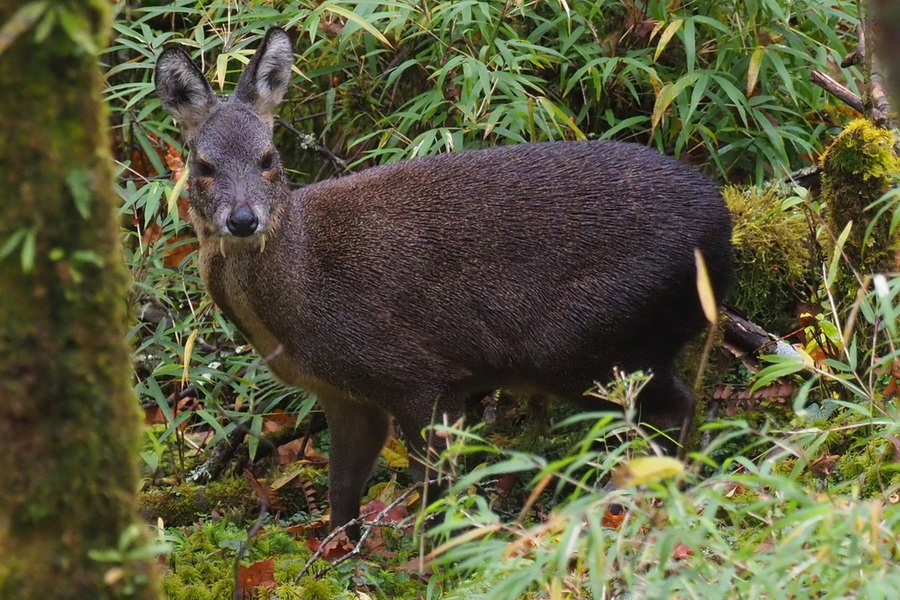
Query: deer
[402,290]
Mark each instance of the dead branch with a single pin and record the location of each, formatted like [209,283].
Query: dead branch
[842,93]
[367,528]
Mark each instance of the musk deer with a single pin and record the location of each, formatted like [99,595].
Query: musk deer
[404,289]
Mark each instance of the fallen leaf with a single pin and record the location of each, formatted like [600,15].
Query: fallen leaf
[681,551]
[395,454]
[288,453]
[257,575]
[613,517]
[394,515]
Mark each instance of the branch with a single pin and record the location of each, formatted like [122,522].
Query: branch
[308,142]
[830,85]
[245,544]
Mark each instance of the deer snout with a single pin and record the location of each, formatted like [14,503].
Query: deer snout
[242,222]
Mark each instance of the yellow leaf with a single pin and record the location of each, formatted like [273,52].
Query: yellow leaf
[753,69]
[284,479]
[222,69]
[177,189]
[667,94]
[386,491]
[671,30]
[704,288]
[646,469]
[805,357]
[395,454]
[188,350]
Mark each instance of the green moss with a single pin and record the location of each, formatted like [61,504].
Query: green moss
[871,466]
[310,588]
[858,169]
[772,255]
[187,503]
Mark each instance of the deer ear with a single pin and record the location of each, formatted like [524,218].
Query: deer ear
[265,82]
[183,89]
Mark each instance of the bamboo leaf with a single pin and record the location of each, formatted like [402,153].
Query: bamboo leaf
[753,70]
[188,350]
[176,190]
[670,31]
[836,257]
[704,288]
[355,18]
[667,94]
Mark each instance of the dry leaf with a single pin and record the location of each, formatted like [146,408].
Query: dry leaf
[395,454]
[254,576]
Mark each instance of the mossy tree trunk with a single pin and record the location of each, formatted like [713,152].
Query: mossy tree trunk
[887,15]
[68,419]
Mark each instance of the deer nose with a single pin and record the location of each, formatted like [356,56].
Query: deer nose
[242,222]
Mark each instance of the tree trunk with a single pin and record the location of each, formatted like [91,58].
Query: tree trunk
[887,16]
[68,418]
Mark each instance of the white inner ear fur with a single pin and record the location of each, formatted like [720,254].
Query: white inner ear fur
[198,98]
[278,58]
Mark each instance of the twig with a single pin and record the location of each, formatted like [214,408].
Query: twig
[245,545]
[308,142]
[368,527]
[842,93]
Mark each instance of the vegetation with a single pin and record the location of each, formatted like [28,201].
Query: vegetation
[798,502]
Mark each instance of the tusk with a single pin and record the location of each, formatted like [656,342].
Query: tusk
[222,246]
[262,243]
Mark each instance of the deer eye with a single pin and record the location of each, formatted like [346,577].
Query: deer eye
[203,168]
[267,162]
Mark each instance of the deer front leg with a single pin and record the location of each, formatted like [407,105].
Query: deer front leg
[358,432]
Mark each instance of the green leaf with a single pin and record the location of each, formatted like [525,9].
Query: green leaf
[21,21]
[836,257]
[88,257]
[78,181]
[256,423]
[355,18]
[782,366]
[28,250]
[12,242]
[222,69]
[77,28]
[45,27]
[690,45]
[734,94]
[786,78]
